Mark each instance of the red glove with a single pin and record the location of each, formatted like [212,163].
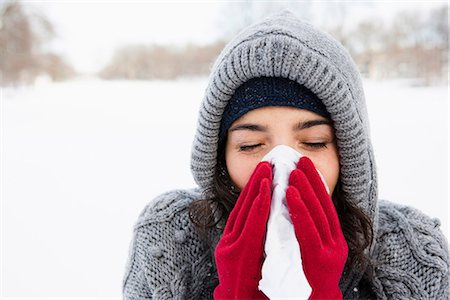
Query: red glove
[239,253]
[322,244]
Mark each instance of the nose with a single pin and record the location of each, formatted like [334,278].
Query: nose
[284,139]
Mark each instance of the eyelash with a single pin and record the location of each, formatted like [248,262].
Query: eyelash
[316,145]
[248,148]
[310,145]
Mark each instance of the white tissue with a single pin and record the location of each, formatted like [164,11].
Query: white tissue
[282,271]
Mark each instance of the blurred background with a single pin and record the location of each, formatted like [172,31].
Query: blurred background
[99,104]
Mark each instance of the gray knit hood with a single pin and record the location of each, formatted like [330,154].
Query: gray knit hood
[284,46]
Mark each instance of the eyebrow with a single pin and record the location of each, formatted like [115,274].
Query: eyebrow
[311,123]
[297,127]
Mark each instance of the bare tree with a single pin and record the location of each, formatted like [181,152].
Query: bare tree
[236,15]
[17,62]
[414,45]
[23,36]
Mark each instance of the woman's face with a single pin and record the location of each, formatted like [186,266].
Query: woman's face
[257,132]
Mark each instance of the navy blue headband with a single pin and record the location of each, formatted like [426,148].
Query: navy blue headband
[268,91]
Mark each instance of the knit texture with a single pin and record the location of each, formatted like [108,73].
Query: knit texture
[168,260]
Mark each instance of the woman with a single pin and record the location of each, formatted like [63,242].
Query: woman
[283,82]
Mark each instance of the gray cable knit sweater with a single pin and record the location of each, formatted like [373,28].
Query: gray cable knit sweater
[169,260]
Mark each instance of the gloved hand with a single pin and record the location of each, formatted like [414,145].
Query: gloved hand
[322,244]
[239,253]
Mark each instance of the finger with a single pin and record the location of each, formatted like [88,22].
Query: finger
[303,186]
[251,190]
[263,170]
[305,230]
[243,214]
[308,168]
[241,199]
[254,230]
[248,244]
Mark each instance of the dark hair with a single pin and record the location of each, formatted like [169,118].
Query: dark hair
[207,214]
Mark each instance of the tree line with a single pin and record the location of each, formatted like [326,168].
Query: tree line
[414,45]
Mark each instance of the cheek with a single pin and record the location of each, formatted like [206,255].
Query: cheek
[329,168]
[240,169]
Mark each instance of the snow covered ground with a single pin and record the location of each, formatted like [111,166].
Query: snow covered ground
[81,159]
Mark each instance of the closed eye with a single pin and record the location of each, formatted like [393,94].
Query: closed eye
[309,145]
[248,148]
[315,145]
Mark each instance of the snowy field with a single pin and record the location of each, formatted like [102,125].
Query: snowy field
[81,159]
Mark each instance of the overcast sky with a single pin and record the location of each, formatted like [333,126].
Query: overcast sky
[89,31]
